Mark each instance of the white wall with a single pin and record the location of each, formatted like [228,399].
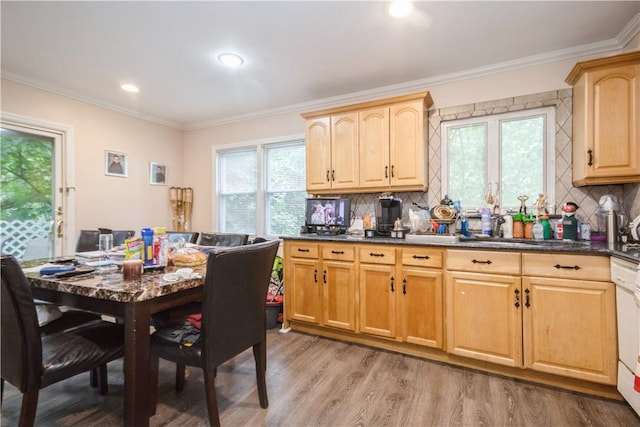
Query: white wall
[105,201]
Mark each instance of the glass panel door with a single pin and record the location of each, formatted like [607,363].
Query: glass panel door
[31,208]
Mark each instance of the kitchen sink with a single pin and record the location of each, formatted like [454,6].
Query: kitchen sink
[527,243]
[432,238]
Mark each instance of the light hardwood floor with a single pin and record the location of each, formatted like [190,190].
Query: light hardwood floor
[315,381]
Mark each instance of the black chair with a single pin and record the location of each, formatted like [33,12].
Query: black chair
[233,320]
[88,240]
[188,236]
[119,236]
[223,239]
[31,361]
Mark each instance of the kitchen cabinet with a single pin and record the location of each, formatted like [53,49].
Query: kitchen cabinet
[401,295]
[332,152]
[484,319]
[377,272]
[392,147]
[606,120]
[372,146]
[320,284]
[569,316]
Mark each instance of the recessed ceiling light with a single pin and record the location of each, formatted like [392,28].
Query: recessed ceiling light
[230,59]
[400,8]
[130,88]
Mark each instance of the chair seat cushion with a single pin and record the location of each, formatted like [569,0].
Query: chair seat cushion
[68,354]
[178,353]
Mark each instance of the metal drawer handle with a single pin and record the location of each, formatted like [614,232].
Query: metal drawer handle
[392,282]
[526,298]
[303,250]
[421,257]
[372,254]
[404,286]
[590,153]
[338,252]
[475,261]
[567,267]
[315,276]
[517,302]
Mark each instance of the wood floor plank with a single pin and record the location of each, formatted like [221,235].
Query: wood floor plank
[316,381]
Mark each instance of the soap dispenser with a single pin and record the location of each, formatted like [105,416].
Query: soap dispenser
[507,227]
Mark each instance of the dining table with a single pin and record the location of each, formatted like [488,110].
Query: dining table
[132,302]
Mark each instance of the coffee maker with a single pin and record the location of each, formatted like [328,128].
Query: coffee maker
[388,210]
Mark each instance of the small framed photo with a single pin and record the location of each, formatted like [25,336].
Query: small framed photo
[157,173]
[115,163]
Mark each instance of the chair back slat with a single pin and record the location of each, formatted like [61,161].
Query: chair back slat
[223,239]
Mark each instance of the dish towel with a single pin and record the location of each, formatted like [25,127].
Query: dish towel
[636,382]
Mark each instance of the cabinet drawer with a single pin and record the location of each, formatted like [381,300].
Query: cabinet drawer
[585,267]
[303,250]
[378,254]
[422,257]
[484,262]
[338,252]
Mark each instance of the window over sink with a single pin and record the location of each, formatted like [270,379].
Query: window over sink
[501,155]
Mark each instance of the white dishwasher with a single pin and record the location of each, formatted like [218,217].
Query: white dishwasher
[626,275]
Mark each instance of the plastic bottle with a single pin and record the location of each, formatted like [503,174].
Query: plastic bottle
[507,227]
[147,240]
[464,225]
[546,227]
[161,246]
[485,221]
[538,230]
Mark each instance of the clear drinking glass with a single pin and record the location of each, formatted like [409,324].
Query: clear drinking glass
[105,244]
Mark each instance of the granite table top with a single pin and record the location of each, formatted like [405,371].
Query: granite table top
[112,286]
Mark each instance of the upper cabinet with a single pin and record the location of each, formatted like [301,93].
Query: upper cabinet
[606,120]
[373,146]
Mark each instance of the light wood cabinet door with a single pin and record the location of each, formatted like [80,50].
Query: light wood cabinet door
[606,120]
[303,290]
[374,147]
[570,328]
[421,306]
[318,153]
[344,151]
[407,145]
[338,283]
[484,319]
[377,300]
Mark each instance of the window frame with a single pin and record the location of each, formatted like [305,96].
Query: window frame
[260,147]
[493,151]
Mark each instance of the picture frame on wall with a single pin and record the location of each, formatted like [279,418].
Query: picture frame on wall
[115,163]
[157,173]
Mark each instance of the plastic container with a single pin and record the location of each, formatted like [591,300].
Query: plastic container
[507,227]
[546,227]
[161,246]
[485,221]
[147,241]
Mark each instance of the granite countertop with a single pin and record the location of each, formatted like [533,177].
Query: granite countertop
[524,245]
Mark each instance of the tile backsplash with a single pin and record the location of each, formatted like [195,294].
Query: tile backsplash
[585,197]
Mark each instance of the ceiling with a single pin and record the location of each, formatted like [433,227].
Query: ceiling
[298,54]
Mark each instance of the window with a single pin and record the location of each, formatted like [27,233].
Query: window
[504,155]
[261,189]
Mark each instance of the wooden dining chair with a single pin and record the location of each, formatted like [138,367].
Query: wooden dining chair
[233,320]
[31,361]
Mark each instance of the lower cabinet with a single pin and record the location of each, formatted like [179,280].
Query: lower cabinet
[546,312]
[320,284]
[484,316]
[401,294]
[570,323]
[549,324]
